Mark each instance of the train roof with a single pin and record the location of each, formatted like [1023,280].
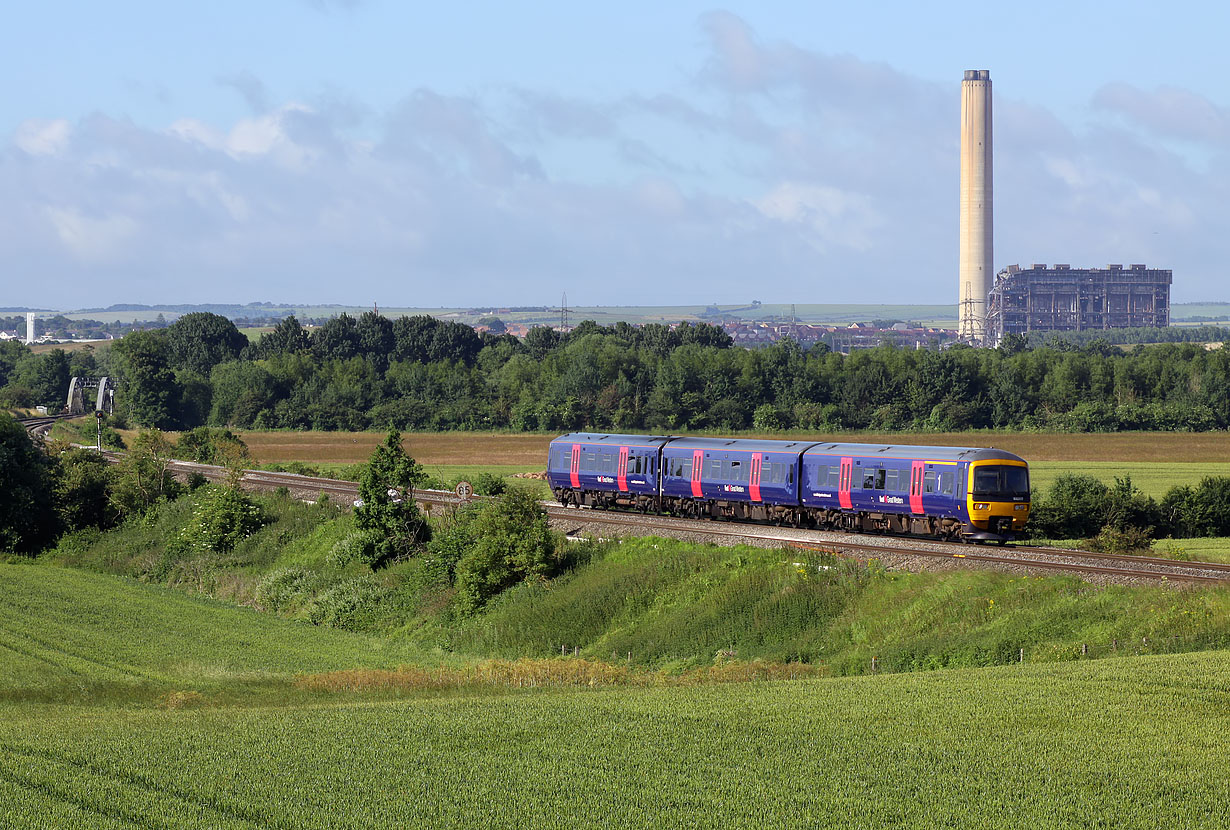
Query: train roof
[738,445]
[921,453]
[914,451]
[612,439]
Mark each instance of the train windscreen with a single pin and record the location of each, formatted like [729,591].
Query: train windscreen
[1001,480]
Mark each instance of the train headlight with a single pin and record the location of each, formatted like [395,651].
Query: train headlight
[1020,507]
[981,505]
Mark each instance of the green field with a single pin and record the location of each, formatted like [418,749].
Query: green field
[1152,478]
[197,720]
[69,635]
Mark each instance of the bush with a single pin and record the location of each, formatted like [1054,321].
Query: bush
[1076,507]
[1203,510]
[355,547]
[1127,539]
[221,519]
[488,484]
[351,604]
[209,445]
[509,542]
[284,589]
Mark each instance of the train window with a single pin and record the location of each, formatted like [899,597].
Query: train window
[685,468]
[929,481]
[737,472]
[869,479]
[946,478]
[822,475]
[715,469]
[589,461]
[790,474]
[890,480]
[834,476]
[880,479]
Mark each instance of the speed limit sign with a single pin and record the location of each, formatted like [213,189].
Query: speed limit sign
[464,490]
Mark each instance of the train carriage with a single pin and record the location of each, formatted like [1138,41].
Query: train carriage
[602,470]
[732,478]
[952,492]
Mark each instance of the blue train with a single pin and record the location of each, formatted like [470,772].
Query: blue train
[957,493]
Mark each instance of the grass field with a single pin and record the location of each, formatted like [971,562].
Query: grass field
[95,345]
[211,717]
[71,635]
[1153,478]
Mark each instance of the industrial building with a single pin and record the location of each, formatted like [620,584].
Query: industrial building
[1062,298]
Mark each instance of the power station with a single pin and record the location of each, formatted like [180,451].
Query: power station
[976,268]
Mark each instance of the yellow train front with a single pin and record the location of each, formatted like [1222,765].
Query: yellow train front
[996,495]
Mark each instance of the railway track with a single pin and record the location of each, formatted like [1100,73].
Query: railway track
[40,425]
[580,520]
[1032,558]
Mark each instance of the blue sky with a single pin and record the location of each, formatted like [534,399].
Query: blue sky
[645,153]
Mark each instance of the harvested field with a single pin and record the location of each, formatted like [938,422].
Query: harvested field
[529,450]
[428,448]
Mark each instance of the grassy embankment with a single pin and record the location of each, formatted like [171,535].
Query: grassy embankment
[665,604]
[168,710]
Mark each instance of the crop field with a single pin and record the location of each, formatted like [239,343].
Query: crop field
[127,705]
[1113,743]
[70,635]
[1152,478]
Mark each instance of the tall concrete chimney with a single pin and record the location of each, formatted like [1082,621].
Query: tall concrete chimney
[977,264]
[29,328]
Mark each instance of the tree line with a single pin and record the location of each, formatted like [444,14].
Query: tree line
[420,373]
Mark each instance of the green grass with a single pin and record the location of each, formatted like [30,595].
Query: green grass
[1114,743]
[67,634]
[1206,549]
[1153,478]
[671,604]
[126,704]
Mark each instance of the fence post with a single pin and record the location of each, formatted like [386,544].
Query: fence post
[1114,644]
[874,666]
[1084,649]
[561,651]
[575,650]
[1022,655]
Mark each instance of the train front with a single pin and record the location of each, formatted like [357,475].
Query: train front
[997,497]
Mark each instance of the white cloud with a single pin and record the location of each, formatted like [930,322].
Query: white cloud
[90,238]
[779,163]
[831,217]
[40,137]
